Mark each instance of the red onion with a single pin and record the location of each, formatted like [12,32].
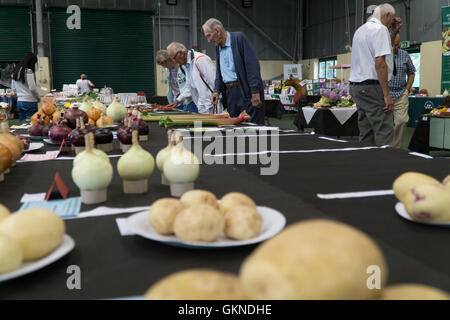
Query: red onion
[36,129]
[73,114]
[124,134]
[47,127]
[77,135]
[141,126]
[59,132]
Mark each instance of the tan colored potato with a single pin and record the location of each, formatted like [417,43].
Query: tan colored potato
[431,203]
[38,231]
[199,223]
[162,214]
[234,199]
[197,285]
[194,197]
[4,212]
[242,223]
[313,260]
[413,292]
[407,181]
[10,254]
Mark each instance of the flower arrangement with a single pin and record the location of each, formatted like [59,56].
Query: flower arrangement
[338,97]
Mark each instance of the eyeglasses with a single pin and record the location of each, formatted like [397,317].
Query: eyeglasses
[176,55]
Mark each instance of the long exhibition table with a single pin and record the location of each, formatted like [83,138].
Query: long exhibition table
[115,266]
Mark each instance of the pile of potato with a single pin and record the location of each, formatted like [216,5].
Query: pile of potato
[425,198]
[310,260]
[199,217]
[28,235]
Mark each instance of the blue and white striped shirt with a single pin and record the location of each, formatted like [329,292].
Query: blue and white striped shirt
[405,67]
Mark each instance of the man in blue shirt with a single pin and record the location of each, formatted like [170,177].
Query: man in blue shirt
[399,87]
[238,75]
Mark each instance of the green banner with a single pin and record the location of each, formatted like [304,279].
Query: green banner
[445,82]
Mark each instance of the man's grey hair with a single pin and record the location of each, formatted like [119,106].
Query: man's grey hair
[177,47]
[162,57]
[383,9]
[212,23]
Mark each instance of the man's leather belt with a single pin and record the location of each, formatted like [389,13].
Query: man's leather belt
[365,83]
[232,84]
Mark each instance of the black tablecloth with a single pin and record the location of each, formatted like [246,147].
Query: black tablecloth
[324,122]
[274,108]
[115,266]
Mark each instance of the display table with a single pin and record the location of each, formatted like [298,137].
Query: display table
[116,266]
[418,106]
[333,122]
[440,133]
[273,108]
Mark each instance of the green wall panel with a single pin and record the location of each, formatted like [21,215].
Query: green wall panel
[113,48]
[15,30]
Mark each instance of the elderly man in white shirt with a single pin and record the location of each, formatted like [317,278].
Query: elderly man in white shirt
[200,76]
[371,68]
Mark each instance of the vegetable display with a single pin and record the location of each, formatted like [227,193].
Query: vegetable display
[212,121]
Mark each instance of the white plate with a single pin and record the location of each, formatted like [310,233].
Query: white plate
[401,210]
[56,144]
[65,247]
[34,138]
[272,223]
[34,146]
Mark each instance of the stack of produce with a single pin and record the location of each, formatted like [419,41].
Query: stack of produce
[134,167]
[198,217]
[92,172]
[48,112]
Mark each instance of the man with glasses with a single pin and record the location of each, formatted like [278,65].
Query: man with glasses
[399,87]
[238,75]
[200,75]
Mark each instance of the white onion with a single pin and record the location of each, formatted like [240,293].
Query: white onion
[162,155]
[86,105]
[92,171]
[136,163]
[181,166]
[116,110]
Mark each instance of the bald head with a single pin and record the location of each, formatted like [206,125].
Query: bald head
[177,52]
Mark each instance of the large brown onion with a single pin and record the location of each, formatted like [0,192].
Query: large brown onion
[6,158]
